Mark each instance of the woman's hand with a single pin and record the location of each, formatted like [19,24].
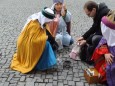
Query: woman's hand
[108,58]
[64,7]
[63,11]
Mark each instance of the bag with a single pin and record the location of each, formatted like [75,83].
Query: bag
[91,75]
[75,53]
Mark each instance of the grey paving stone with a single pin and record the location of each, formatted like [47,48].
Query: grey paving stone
[29,79]
[86,84]
[72,83]
[64,74]
[49,84]
[60,81]
[50,80]
[29,84]
[36,84]
[61,77]
[81,74]
[45,80]
[60,84]
[65,82]
[17,75]
[42,84]
[69,78]
[75,70]
[1,84]
[21,83]
[43,76]
[5,76]
[22,78]
[55,78]
[70,72]
[76,75]
[12,84]
[6,84]
[79,84]
[49,76]
[55,83]
[76,79]
[15,79]
[4,79]
[40,80]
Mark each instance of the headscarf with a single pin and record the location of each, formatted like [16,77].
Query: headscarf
[46,15]
[57,1]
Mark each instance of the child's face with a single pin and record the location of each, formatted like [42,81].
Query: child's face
[58,6]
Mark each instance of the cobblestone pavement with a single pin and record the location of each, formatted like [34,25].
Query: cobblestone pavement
[13,15]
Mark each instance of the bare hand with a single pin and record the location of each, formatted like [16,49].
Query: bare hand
[99,76]
[108,58]
[80,38]
[63,12]
[82,42]
[64,6]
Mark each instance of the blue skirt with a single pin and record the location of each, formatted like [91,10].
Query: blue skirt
[48,58]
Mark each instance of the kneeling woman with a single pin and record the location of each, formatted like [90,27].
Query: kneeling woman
[63,16]
[33,49]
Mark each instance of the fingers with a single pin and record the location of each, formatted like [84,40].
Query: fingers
[80,38]
[112,56]
[109,60]
[64,6]
[99,76]
[82,42]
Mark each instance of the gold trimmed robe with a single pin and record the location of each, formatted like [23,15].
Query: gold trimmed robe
[30,46]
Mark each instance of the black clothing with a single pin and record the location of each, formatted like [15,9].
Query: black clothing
[96,27]
[93,35]
[87,50]
[52,41]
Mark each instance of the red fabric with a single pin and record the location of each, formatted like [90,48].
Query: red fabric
[103,72]
[99,52]
[100,63]
[53,27]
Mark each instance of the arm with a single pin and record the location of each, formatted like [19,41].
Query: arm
[92,30]
[67,18]
[68,27]
[68,21]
